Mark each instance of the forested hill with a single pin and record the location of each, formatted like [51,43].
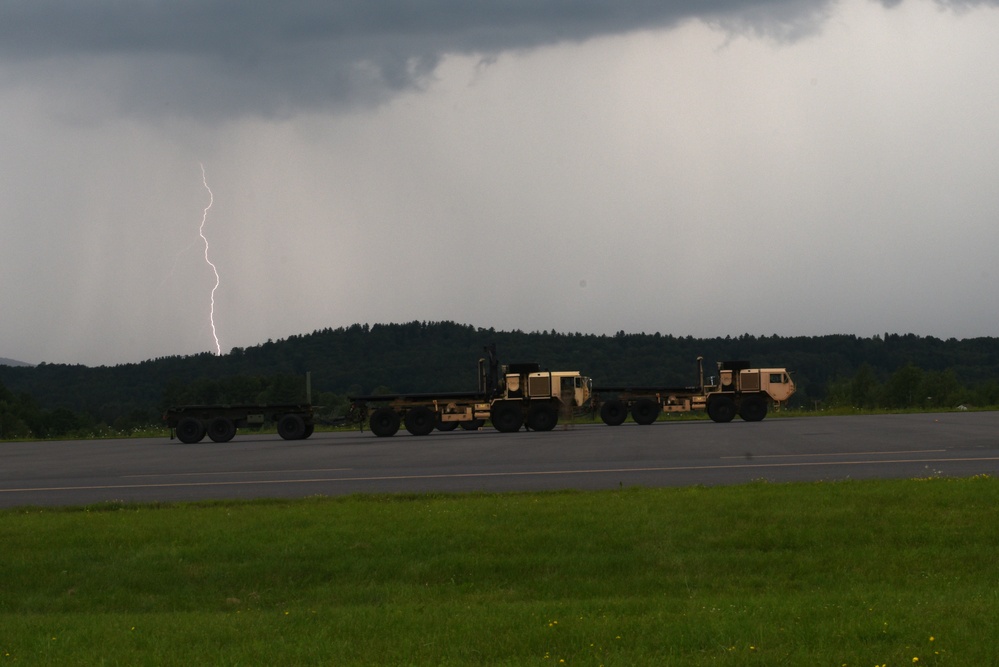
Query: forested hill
[442,356]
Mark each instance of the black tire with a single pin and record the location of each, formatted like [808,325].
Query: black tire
[291,427]
[721,409]
[445,426]
[471,425]
[614,412]
[384,422]
[542,417]
[507,416]
[420,420]
[644,411]
[221,429]
[753,408]
[190,430]
[309,430]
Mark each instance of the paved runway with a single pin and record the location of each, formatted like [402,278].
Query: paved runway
[579,457]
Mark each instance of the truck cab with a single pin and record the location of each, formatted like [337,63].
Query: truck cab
[530,396]
[567,387]
[746,391]
[736,376]
[775,382]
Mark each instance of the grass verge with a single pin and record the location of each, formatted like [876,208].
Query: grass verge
[847,573]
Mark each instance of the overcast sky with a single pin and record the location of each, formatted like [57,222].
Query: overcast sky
[706,168]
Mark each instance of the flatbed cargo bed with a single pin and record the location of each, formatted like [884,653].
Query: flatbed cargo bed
[433,396]
[294,421]
[646,390]
[206,411]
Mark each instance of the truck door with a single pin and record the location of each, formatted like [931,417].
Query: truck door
[567,393]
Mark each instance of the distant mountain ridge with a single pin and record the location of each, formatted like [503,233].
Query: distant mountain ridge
[443,356]
[4,361]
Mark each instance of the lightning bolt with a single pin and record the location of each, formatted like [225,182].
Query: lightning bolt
[201,231]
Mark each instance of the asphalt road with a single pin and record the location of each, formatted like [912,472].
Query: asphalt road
[678,453]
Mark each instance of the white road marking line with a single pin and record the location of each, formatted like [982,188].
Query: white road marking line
[528,473]
[232,472]
[783,456]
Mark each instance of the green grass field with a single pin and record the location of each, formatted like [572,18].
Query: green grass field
[847,573]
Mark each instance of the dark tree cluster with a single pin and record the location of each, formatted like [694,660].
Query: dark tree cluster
[21,417]
[909,387]
[890,371]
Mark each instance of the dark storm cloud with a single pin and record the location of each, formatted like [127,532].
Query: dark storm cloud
[231,28]
[228,56]
[225,57]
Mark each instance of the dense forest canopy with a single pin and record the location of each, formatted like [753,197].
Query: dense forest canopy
[442,356]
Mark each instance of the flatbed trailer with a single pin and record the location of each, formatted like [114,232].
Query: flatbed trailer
[220,422]
[422,413]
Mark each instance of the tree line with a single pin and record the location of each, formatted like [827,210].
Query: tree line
[909,387]
[890,371]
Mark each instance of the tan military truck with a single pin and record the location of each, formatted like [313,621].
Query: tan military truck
[510,397]
[739,390]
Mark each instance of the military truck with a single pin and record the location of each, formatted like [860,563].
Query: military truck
[740,390]
[510,397]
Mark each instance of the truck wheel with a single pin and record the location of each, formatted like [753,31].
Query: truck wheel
[644,411]
[221,429]
[471,425]
[614,412]
[542,417]
[309,430]
[445,426]
[420,420]
[507,417]
[753,408]
[721,409]
[190,430]
[291,427]
[384,422]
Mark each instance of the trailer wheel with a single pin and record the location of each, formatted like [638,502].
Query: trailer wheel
[420,420]
[542,417]
[507,417]
[471,424]
[614,412]
[721,409]
[446,426]
[384,422]
[644,411]
[291,427]
[753,408]
[221,429]
[190,430]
